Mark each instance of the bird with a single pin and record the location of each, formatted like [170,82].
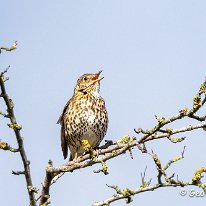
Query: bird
[84,117]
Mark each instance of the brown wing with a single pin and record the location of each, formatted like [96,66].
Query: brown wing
[64,144]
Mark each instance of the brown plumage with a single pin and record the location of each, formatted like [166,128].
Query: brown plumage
[83,117]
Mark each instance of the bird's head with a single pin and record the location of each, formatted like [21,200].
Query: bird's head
[88,83]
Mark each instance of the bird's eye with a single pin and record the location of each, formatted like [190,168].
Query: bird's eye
[85,78]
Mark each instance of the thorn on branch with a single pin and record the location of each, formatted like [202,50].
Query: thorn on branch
[18,172]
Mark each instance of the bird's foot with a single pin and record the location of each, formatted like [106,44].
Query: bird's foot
[75,159]
[98,151]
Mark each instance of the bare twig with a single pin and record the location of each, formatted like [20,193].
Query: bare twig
[14,46]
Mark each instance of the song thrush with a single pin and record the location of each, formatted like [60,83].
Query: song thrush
[84,117]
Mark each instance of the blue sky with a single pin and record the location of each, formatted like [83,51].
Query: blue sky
[152,54]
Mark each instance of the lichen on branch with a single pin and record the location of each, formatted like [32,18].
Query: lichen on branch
[6,146]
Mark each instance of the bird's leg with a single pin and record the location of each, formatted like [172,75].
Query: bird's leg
[75,158]
[97,150]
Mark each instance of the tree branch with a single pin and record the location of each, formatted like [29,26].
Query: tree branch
[145,186]
[16,128]
[175,131]
[112,151]
[130,193]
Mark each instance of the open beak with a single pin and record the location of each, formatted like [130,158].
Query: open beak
[96,78]
[99,73]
